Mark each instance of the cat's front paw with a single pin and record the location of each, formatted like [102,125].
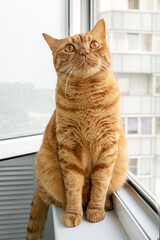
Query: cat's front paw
[71,219]
[95,215]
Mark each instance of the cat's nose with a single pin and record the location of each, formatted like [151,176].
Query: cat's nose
[84,52]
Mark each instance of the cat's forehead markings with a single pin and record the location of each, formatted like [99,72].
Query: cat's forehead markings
[76,38]
[80,38]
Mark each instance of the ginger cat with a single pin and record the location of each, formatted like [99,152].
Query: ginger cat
[82,159]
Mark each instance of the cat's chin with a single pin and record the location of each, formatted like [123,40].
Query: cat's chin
[85,71]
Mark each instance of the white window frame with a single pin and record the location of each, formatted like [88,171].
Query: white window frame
[20,146]
[133,210]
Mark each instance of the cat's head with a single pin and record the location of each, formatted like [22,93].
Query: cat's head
[81,55]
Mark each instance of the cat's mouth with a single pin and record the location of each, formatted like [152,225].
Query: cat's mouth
[85,62]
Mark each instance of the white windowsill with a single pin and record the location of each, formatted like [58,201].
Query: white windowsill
[110,228]
[131,219]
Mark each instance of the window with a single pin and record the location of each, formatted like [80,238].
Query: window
[133,42]
[133,165]
[117,43]
[146,125]
[124,85]
[147,5]
[158,84]
[140,166]
[144,166]
[158,5]
[133,4]
[121,42]
[157,125]
[27,76]
[132,125]
[156,45]
[146,42]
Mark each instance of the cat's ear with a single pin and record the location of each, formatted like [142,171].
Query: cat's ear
[99,30]
[52,42]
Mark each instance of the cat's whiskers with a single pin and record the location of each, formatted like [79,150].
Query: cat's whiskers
[67,81]
[79,64]
[68,68]
[72,69]
[67,71]
[100,65]
[105,67]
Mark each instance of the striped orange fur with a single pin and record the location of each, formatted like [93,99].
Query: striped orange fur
[82,160]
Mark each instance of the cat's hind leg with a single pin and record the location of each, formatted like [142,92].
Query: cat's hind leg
[119,172]
[48,171]
[38,217]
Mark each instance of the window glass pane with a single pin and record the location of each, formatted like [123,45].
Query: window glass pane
[123,85]
[144,167]
[146,42]
[133,170]
[27,76]
[157,84]
[156,45]
[133,41]
[118,40]
[158,5]
[135,55]
[147,4]
[146,125]
[133,162]
[157,125]
[133,165]
[132,125]
[133,4]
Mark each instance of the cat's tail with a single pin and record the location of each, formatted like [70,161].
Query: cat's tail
[37,219]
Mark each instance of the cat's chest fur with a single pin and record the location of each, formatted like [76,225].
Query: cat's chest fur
[87,111]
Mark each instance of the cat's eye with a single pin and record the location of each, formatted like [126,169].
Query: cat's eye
[94,45]
[69,48]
